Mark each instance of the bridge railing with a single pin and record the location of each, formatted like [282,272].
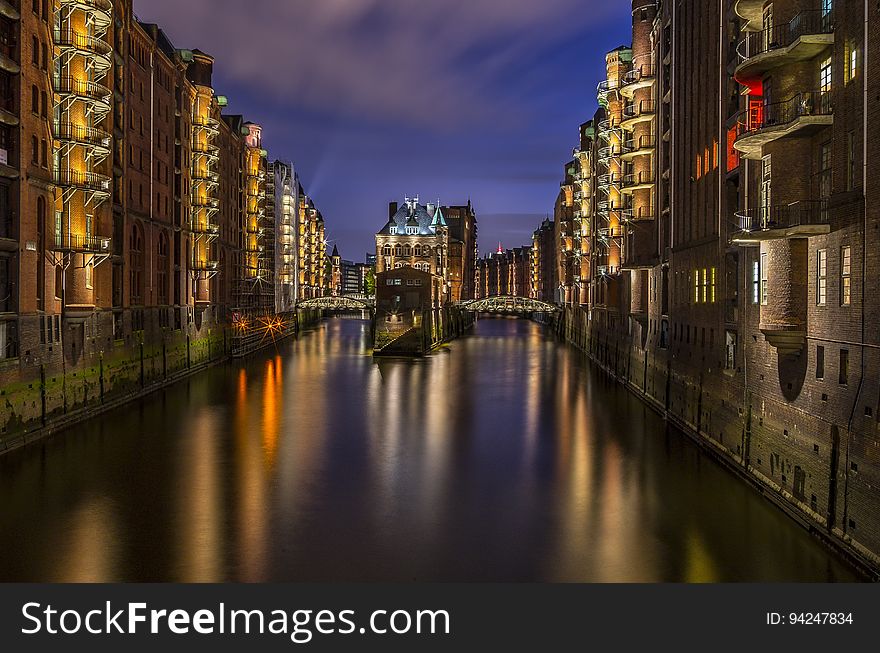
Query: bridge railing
[507,304]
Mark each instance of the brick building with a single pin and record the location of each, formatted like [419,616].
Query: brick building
[734,216]
[133,213]
[505,273]
[544,285]
[462,224]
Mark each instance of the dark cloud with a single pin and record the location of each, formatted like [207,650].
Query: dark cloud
[378,98]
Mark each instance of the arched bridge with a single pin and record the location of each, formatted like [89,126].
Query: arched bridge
[507,305]
[344,303]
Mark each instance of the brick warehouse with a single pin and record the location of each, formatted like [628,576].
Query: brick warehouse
[135,217]
[728,174]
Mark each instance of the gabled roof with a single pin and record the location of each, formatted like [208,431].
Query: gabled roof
[425,217]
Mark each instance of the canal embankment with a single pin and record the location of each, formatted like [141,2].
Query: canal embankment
[732,425]
[58,397]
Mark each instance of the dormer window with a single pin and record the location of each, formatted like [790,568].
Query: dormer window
[412,231]
[393,231]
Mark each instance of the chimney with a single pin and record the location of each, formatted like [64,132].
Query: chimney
[392,210]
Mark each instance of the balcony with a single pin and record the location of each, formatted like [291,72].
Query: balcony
[638,78]
[606,88]
[82,244]
[89,137]
[638,112]
[610,233]
[8,11]
[608,152]
[802,115]
[641,214]
[207,203]
[751,11]
[640,146]
[608,270]
[208,150]
[637,181]
[805,37]
[96,50]
[608,126]
[209,229]
[207,124]
[8,64]
[204,266]
[794,220]
[91,92]
[609,180]
[89,181]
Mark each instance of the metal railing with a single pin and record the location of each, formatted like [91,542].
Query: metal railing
[639,109]
[88,180]
[204,266]
[638,179]
[784,216]
[84,43]
[804,104]
[82,243]
[809,22]
[636,75]
[635,215]
[66,131]
[67,85]
[645,142]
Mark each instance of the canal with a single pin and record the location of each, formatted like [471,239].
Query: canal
[504,457]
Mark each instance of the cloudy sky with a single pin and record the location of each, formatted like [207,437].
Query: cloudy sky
[377,99]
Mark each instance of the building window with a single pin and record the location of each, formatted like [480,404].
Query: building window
[820,362]
[852,62]
[825,170]
[825,76]
[712,284]
[844,367]
[705,285]
[731,342]
[35,100]
[697,286]
[756,282]
[821,277]
[845,275]
[764,281]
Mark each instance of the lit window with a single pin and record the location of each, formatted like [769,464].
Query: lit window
[697,287]
[852,62]
[821,280]
[825,76]
[712,285]
[845,275]
[764,282]
[705,285]
[756,282]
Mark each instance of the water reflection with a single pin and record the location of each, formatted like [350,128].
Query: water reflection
[502,457]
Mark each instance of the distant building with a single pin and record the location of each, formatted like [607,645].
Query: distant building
[462,223]
[417,236]
[544,271]
[505,272]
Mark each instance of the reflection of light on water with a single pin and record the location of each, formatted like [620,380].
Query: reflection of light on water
[199,518]
[700,566]
[271,393]
[89,549]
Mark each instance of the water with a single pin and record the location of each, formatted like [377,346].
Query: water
[504,457]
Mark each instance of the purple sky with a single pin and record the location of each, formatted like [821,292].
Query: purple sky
[377,99]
